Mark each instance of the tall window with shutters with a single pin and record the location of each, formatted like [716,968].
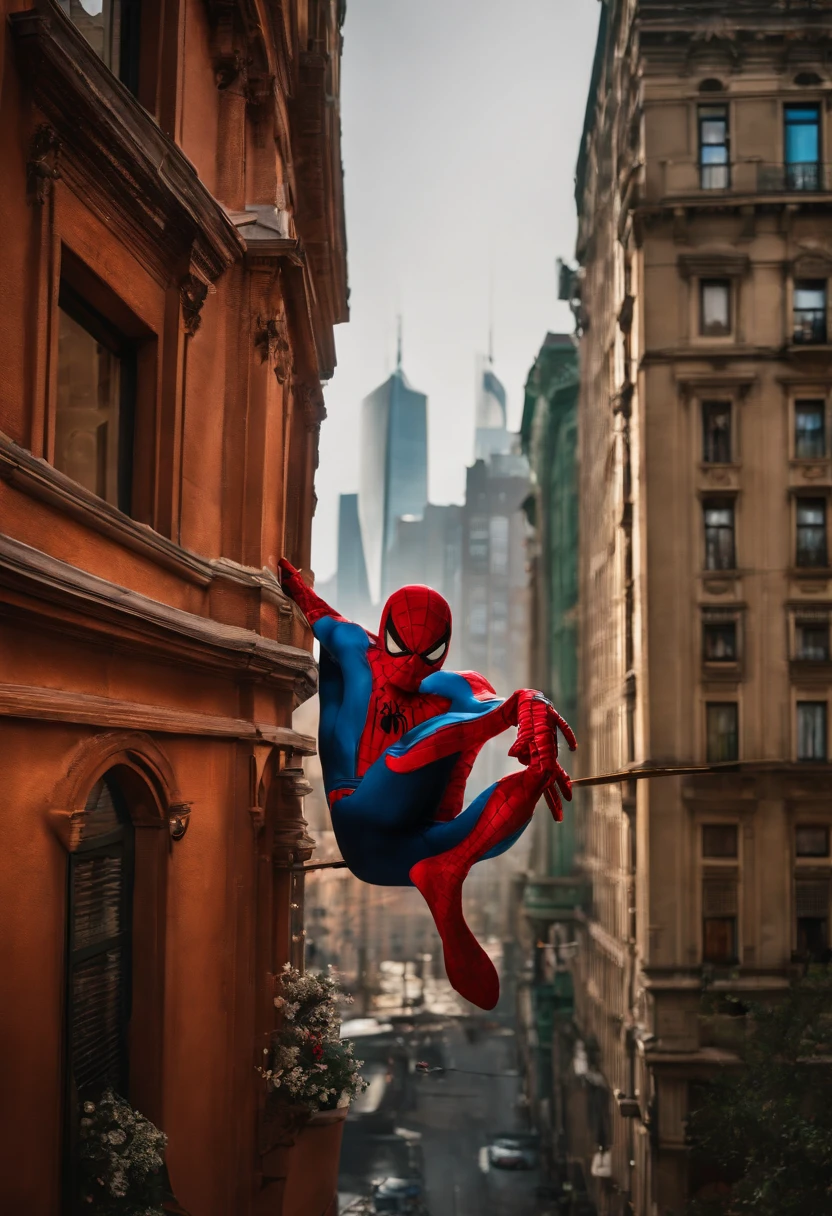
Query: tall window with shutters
[99,954]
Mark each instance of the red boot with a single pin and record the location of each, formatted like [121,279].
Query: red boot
[511,805]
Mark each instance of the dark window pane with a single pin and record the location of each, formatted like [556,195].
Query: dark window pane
[719,939]
[111,27]
[812,641]
[715,301]
[716,432]
[719,840]
[809,311]
[86,423]
[811,840]
[719,641]
[94,417]
[811,730]
[812,915]
[723,731]
[98,947]
[813,938]
[811,532]
[719,536]
[809,429]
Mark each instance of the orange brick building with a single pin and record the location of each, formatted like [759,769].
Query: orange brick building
[172,264]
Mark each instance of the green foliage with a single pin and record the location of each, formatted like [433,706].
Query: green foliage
[768,1122]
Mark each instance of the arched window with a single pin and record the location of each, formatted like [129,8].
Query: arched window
[712,85]
[99,949]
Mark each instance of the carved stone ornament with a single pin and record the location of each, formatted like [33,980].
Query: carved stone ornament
[192,291]
[42,166]
[228,68]
[312,403]
[271,338]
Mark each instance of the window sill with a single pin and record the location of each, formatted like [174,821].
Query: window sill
[34,476]
[731,671]
[798,349]
[811,572]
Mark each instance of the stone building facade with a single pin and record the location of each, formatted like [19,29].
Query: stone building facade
[705,264]
[173,264]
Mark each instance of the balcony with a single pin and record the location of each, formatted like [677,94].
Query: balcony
[688,178]
[809,326]
[553,899]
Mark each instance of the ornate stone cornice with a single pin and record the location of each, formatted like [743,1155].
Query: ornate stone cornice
[115,151]
[79,603]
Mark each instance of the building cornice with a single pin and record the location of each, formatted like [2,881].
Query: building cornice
[62,705]
[116,148]
[82,604]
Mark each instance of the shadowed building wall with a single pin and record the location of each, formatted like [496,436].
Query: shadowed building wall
[173,266]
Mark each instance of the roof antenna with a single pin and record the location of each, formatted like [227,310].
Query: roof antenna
[491,316]
[399,342]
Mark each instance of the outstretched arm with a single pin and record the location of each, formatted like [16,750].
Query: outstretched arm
[310,604]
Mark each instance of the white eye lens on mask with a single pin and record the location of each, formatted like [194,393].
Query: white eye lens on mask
[436,654]
[392,647]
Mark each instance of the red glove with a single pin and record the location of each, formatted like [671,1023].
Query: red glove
[310,604]
[536,745]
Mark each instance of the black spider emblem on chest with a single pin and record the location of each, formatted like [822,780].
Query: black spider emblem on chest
[393,718]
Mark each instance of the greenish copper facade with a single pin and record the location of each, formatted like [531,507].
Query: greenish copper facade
[553,891]
[550,442]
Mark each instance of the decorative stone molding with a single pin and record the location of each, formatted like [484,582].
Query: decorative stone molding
[145,773]
[42,166]
[115,152]
[311,399]
[149,627]
[271,339]
[290,842]
[229,66]
[193,293]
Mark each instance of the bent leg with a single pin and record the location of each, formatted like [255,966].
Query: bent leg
[493,819]
[380,828]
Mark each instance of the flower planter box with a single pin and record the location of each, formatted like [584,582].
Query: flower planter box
[308,1165]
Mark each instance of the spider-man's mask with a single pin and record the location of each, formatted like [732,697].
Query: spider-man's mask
[414,635]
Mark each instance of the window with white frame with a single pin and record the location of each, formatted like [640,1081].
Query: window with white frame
[715,308]
[809,429]
[812,730]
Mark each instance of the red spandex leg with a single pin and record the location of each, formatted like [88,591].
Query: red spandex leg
[440,880]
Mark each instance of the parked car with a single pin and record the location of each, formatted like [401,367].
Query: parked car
[400,1196]
[512,1151]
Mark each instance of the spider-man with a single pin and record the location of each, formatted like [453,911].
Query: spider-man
[398,738]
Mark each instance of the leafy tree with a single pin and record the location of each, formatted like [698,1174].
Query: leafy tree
[767,1123]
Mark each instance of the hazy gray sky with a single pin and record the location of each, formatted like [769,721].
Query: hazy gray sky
[461,124]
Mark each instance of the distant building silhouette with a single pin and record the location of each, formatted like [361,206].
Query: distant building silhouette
[352,594]
[492,435]
[393,472]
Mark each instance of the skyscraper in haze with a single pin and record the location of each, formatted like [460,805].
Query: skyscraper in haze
[393,471]
[492,437]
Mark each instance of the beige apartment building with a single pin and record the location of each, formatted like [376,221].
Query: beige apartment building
[704,194]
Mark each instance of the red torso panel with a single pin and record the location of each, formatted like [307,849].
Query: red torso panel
[391,713]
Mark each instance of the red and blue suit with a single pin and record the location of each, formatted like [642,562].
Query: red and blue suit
[398,738]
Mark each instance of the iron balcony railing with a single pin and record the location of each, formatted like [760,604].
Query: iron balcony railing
[690,177]
[805,178]
[809,326]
